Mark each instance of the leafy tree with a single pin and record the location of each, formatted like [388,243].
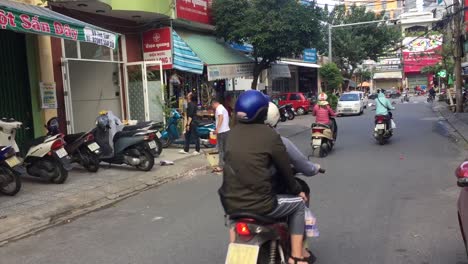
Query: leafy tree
[353,44]
[275,28]
[331,76]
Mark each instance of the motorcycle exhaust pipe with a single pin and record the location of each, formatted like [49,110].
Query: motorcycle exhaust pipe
[132,160]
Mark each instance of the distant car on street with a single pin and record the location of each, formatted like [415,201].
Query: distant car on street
[350,104]
[372,96]
[299,101]
[362,96]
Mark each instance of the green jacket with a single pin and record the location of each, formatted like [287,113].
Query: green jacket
[248,184]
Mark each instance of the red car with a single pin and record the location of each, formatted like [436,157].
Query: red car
[299,102]
[462,176]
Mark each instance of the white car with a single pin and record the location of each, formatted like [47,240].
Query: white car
[363,97]
[350,104]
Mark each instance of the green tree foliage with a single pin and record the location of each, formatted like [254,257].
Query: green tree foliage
[331,76]
[351,45]
[275,28]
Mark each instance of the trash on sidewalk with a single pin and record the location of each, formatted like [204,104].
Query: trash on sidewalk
[166,162]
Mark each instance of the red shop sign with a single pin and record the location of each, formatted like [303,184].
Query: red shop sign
[157,46]
[194,10]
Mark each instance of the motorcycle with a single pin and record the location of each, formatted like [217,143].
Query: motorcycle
[323,138]
[135,148]
[259,239]
[81,146]
[170,135]
[149,125]
[46,157]
[286,112]
[382,133]
[430,98]
[11,168]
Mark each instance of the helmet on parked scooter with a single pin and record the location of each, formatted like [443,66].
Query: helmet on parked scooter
[273,115]
[251,107]
[53,126]
[102,122]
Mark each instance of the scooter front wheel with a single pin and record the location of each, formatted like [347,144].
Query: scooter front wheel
[146,161]
[14,186]
[166,142]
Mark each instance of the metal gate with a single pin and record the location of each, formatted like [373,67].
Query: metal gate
[15,92]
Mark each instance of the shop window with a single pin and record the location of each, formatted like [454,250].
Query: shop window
[92,51]
[71,48]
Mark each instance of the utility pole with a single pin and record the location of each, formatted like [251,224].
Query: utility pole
[330,57]
[458,54]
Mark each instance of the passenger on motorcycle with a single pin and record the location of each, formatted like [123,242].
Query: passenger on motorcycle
[248,186]
[383,107]
[322,112]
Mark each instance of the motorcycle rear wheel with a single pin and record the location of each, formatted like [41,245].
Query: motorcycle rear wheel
[148,162]
[14,186]
[283,118]
[93,163]
[165,142]
[61,174]
[323,152]
[291,115]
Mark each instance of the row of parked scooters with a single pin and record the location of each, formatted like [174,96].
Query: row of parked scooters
[50,157]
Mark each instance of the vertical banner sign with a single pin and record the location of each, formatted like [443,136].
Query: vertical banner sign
[157,46]
[195,10]
[48,95]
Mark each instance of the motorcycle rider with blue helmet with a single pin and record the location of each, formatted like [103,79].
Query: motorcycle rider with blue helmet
[248,185]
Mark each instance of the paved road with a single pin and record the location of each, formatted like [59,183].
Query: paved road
[377,204]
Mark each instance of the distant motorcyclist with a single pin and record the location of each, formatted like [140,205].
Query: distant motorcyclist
[322,112]
[432,92]
[383,106]
[248,186]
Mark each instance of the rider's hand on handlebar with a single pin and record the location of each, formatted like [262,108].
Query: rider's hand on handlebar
[303,196]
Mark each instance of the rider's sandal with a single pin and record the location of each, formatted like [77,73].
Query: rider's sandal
[298,260]
[312,258]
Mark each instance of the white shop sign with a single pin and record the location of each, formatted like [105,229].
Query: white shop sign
[217,72]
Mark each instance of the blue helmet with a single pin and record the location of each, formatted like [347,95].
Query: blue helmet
[251,107]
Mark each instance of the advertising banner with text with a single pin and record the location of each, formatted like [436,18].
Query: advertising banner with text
[157,46]
[195,10]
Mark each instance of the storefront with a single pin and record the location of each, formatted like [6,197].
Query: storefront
[303,78]
[29,92]
[387,80]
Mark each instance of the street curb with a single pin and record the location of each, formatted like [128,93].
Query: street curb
[18,226]
[454,131]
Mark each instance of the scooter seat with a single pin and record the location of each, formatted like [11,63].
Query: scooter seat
[72,137]
[205,122]
[122,134]
[259,218]
[139,125]
[320,125]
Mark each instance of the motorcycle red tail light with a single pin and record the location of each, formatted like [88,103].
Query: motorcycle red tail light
[89,137]
[317,130]
[242,229]
[58,144]
[150,137]
[380,118]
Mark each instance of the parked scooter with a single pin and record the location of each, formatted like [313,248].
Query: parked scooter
[171,134]
[382,131]
[81,147]
[323,138]
[255,233]
[286,112]
[149,125]
[46,158]
[135,148]
[11,168]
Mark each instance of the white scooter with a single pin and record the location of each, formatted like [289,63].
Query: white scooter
[46,157]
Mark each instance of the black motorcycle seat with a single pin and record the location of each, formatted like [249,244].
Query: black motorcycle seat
[72,137]
[205,122]
[260,218]
[139,125]
[122,134]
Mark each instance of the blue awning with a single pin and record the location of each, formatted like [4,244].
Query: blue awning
[184,58]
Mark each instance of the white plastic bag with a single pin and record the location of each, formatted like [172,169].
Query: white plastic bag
[393,124]
[311,224]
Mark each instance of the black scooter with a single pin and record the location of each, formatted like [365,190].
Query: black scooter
[81,146]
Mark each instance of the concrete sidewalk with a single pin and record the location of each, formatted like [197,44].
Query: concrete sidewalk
[458,121]
[41,204]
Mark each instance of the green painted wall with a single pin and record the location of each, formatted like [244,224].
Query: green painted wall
[33,61]
[154,6]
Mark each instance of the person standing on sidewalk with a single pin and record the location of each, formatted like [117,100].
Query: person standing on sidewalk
[222,130]
[191,132]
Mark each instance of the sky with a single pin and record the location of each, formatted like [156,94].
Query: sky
[329,2]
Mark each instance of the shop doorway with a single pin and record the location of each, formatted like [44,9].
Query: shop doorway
[145,91]
[90,88]
[15,90]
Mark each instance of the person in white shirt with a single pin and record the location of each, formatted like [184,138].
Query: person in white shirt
[222,130]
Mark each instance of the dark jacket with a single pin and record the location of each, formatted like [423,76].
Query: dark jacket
[251,150]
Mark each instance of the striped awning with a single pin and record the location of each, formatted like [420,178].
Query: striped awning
[184,58]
